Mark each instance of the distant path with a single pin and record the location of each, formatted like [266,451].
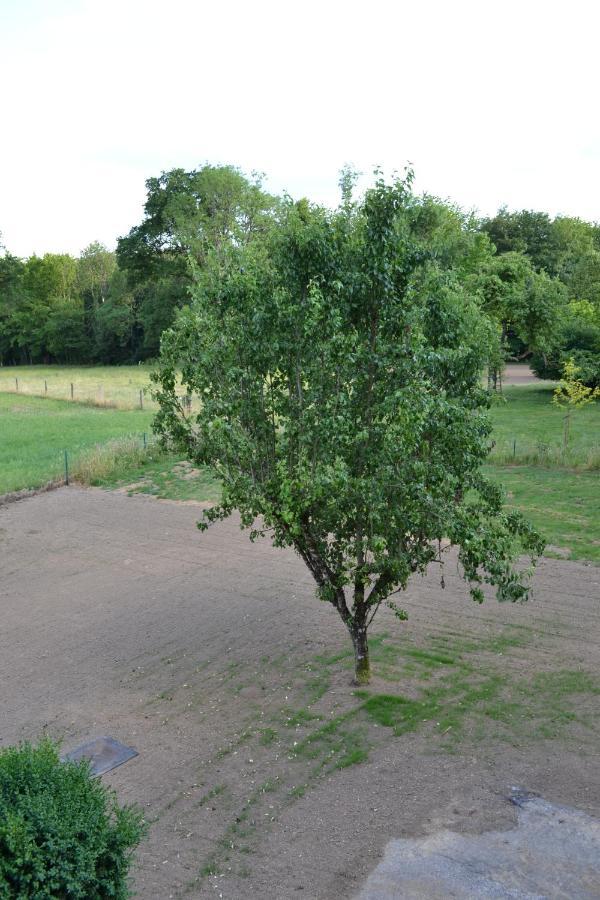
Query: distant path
[519,373]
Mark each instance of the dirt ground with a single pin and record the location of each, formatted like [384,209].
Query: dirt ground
[519,373]
[261,772]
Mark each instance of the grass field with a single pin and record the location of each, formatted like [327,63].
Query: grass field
[560,495]
[528,429]
[34,433]
[564,506]
[117,386]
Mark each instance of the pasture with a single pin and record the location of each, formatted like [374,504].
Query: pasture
[560,493]
[34,433]
[528,429]
[117,386]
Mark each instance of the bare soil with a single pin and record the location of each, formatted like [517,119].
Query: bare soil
[261,772]
[519,373]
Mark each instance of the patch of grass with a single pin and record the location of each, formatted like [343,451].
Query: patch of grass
[563,506]
[295,718]
[106,463]
[116,386]
[329,659]
[230,842]
[267,737]
[210,795]
[526,707]
[528,430]
[242,739]
[463,698]
[317,686]
[430,658]
[166,477]
[35,434]
[335,743]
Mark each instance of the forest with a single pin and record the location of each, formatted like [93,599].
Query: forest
[537,277]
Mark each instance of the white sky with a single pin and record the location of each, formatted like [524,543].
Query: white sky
[492,103]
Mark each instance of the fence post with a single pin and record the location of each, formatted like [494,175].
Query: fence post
[66,467]
[514,449]
[17,384]
[144,440]
[71,390]
[141,400]
[45,386]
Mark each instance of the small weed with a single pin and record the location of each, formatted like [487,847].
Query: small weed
[210,867]
[294,718]
[210,795]
[317,686]
[267,737]
[334,743]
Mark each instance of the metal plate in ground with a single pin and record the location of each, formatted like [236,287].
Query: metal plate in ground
[104,754]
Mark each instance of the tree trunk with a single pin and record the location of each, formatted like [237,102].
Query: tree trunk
[362,667]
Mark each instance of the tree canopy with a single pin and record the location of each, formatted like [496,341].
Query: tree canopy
[531,273]
[338,361]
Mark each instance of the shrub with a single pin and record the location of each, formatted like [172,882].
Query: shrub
[578,339]
[62,832]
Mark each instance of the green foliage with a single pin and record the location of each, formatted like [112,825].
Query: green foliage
[576,338]
[525,304]
[526,232]
[187,215]
[571,394]
[62,832]
[338,362]
[564,251]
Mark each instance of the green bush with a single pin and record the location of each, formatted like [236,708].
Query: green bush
[62,832]
[578,340]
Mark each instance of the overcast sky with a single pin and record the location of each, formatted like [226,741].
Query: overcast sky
[492,103]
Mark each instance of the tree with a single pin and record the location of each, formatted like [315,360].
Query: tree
[572,394]
[187,215]
[576,338]
[529,232]
[47,310]
[338,364]
[95,268]
[525,304]
[11,296]
[115,326]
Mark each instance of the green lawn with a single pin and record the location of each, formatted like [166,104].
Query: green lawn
[34,433]
[526,415]
[564,506]
[563,502]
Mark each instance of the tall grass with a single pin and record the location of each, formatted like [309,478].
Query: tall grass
[549,456]
[115,459]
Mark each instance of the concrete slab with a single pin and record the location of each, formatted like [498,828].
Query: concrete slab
[552,854]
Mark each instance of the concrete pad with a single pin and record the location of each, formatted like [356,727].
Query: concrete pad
[554,852]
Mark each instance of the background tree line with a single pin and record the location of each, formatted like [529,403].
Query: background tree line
[538,278]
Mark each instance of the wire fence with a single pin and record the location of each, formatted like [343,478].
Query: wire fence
[111,396]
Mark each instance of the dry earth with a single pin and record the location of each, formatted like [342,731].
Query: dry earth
[261,773]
